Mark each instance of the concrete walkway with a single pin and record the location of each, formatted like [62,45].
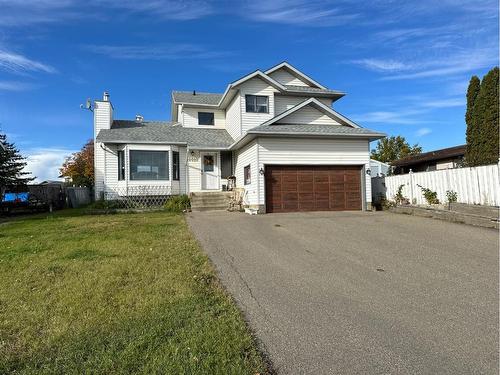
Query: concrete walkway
[361,293]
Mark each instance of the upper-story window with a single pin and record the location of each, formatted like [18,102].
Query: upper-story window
[257,104]
[205,118]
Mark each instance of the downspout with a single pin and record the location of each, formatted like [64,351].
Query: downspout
[258,173]
[187,170]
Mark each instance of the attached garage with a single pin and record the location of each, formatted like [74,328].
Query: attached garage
[313,188]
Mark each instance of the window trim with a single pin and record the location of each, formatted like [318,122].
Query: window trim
[121,165]
[207,113]
[167,155]
[176,166]
[247,181]
[254,98]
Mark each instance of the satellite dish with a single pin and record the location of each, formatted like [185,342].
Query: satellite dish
[87,105]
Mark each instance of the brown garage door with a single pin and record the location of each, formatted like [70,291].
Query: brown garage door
[312,188]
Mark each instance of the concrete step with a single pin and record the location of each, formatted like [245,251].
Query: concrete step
[210,201]
[453,216]
[214,208]
[486,211]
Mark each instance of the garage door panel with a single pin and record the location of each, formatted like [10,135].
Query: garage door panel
[305,186]
[313,188]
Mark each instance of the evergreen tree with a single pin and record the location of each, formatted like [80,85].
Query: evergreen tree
[12,165]
[471,132]
[483,139]
[394,148]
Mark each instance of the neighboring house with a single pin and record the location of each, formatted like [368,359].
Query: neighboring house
[378,168]
[446,158]
[274,130]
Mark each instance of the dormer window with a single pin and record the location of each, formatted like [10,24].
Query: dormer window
[257,104]
[205,118]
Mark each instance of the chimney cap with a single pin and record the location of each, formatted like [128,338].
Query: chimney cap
[139,118]
[105,96]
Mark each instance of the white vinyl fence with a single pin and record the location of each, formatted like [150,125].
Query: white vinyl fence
[477,185]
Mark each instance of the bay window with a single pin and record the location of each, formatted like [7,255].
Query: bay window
[149,165]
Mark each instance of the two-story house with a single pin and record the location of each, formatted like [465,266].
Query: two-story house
[274,130]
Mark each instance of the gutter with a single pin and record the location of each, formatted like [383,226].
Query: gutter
[249,136]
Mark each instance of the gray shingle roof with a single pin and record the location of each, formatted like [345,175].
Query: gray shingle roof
[313,90]
[311,129]
[208,98]
[199,98]
[127,131]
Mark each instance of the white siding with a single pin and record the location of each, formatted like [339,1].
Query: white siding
[190,118]
[284,102]
[314,152]
[182,168]
[255,86]
[103,117]
[233,117]
[111,161]
[286,78]
[308,115]
[243,157]
[194,169]
[114,187]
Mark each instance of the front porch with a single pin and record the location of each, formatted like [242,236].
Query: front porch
[209,170]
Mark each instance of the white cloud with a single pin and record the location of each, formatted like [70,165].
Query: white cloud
[16,63]
[44,163]
[423,131]
[15,86]
[17,13]
[381,65]
[162,52]
[444,103]
[403,117]
[167,9]
[298,12]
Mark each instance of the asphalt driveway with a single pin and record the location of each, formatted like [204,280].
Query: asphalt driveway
[361,293]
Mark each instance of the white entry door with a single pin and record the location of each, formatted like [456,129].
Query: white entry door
[209,171]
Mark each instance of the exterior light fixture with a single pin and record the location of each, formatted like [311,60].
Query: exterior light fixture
[368,171]
[261,171]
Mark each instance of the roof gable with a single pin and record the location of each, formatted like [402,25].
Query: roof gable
[286,78]
[286,67]
[337,118]
[309,114]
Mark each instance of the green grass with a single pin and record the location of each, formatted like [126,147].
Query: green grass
[126,293]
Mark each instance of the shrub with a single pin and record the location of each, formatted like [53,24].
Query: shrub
[429,195]
[102,204]
[178,203]
[399,198]
[451,196]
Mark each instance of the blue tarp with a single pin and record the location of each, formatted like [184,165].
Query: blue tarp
[15,197]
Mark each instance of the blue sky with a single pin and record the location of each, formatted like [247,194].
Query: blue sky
[405,65]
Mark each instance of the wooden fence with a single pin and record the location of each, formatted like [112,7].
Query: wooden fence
[477,185]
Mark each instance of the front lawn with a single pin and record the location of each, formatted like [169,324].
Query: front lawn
[126,293]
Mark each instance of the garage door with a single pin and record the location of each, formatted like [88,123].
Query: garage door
[312,188]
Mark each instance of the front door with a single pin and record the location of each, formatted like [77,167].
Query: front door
[209,171]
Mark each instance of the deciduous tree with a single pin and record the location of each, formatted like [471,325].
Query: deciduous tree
[394,148]
[80,166]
